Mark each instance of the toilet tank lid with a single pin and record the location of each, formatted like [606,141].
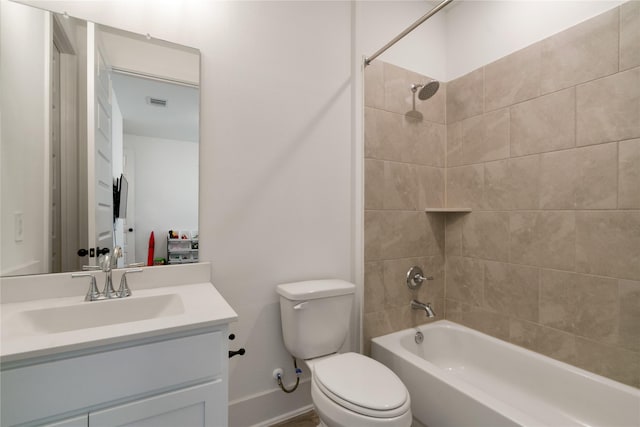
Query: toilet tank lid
[312,289]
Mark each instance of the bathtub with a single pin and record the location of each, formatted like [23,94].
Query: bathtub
[459,377]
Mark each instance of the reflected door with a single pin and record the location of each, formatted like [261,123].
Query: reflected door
[100,180]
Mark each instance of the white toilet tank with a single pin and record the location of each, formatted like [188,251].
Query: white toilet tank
[315,316]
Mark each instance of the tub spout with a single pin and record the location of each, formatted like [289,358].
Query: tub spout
[417,305]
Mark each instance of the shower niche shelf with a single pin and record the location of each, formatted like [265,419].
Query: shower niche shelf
[447,210]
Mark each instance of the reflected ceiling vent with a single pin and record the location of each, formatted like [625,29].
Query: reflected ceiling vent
[156,101]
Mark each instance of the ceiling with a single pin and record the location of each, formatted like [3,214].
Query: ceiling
[178,120]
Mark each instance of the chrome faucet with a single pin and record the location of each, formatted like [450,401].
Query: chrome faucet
[108,291]
[107,262]
[417,305]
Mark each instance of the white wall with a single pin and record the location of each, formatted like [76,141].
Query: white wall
[166,198]
[24,127]
[423,50]
[480,32]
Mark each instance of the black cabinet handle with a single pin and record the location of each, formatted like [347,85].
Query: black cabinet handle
[240,352]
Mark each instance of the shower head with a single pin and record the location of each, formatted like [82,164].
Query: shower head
[428,90]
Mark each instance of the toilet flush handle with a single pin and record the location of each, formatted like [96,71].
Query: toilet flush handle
[301,305]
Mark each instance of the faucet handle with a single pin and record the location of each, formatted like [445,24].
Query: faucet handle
[93,293]
[123,290]
[415,277]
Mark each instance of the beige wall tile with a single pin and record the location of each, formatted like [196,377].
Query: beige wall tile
[512,79]
[629,35]
[609,361]
[407,234]
[488,322]
[373,287]
[629,329]
[453,232]
[374,324]
[584,52]
[558,180]
[390,136]
[465,186]
[397,88]
[427,143]
[373,235]
[597,184]
[550,342]
[497,187]
[400,186]
[454,144]
[486,137]
[608,109]
[512,184]
[544,239]
[465,96]
[523,182]
[511,289]
[608,243]
[399,98]
[373,183]
[543,124]
[374,85]
[453,310]
[485,235]
[629,174]
[430,187]
[465,278]
[397,293]
[381,130]
[579,304]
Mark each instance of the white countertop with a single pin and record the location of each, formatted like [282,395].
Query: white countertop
[194,306]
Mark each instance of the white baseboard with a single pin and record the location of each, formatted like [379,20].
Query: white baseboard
[270,407]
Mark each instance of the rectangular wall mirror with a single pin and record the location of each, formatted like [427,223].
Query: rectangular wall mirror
[99,144]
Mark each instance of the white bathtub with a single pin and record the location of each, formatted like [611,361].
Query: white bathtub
[459,377]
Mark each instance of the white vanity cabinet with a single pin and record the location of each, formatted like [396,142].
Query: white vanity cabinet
[171,380]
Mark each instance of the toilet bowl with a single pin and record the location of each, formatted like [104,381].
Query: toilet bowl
[347,389]
[350,389]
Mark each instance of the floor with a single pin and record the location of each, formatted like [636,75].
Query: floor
[308,419]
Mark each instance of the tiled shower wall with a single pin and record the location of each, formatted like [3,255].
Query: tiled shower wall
[544,145]
[404,173]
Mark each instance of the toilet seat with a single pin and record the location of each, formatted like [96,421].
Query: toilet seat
[361,385]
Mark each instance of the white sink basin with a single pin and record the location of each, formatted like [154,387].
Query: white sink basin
[44,326]
[98,313]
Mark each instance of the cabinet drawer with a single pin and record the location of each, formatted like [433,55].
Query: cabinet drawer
[199,406]
[43,390]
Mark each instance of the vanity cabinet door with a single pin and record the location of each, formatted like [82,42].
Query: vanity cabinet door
[199,406]
[81,421]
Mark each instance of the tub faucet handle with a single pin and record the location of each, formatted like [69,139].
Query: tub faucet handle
[415,277]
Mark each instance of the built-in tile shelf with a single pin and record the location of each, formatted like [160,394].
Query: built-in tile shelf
[447,210]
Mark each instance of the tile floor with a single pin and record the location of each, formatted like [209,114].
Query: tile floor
[308,419]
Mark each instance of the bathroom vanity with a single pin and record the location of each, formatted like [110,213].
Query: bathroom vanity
[156,358]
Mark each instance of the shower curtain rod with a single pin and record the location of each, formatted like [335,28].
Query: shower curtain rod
[412,27]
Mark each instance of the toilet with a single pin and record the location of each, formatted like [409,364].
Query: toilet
[348,389]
